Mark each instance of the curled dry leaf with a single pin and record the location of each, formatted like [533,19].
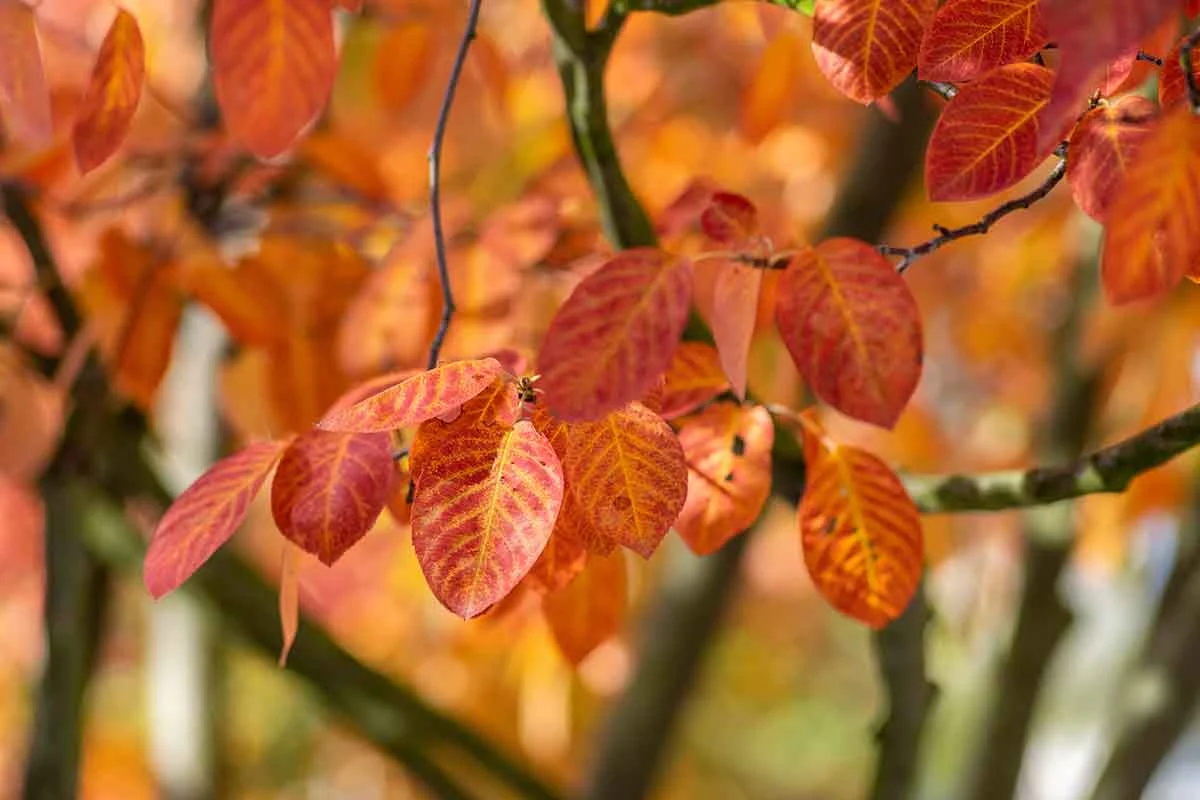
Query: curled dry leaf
[968,38]
[112,95]
[590,609]
[330,488]
[206,515]
[853,329]
[867,47]
[615,334]
[728,453]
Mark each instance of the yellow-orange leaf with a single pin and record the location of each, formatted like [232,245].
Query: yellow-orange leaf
[1151,239]
[968,38]
[614,336]
[424,396]
[694,377]
[402,63]
[1102,148]
[590,609]
[112,95]
[987,137]
[273,66]
[629,476]
[860,532]
[483,511]
[562,558]
[24,95]
[866,47]
[572,524]
[774,87]
[728,452]
[853,329]
[330,488]
[206,515]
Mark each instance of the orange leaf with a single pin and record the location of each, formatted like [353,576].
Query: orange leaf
[853,328]
[866,47]
[775,87]
[330,488]
[289,600]
[735,310]
[402,63]
[861,534]
[273,65]
[112,95]
[1172,86]
[728,452]
[590,609]
[24,95]
[1151,236]
[615,334]
[561,560]
[572,524]
[970,37]
[1090,35]
[483,511]
[1102,148]
[206,515]
[416,399]
[987,136]
[629,476]
[694,377]
[392,319]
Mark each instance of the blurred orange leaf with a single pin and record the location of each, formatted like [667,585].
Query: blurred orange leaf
[590,609]
[402,63]
[112,95]
[24,95]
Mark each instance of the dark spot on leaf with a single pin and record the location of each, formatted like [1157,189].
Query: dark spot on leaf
[739,445]
[622,503]
[729,477]
[830,525]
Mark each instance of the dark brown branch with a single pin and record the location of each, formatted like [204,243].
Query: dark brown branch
[435,181]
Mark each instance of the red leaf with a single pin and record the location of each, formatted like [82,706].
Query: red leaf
[735,311]
[853,329]
[206,515]
[1172,87]
[483,511]
[987,137]
[1151,239]
[112,95]
[1102,148]
[728,452]
[867,47]
[273,64]
[426,395]
[1090,35]
[330,488]
[614,336]
[590,609]
[694,377]
[729,218]
[24,95]
[968,38]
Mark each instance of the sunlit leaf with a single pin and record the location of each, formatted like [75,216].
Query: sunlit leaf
[1151,239]
[273,65]
[1102,148]
[615,334]
[590,609]
[968,38]
[629,476]
[424,396]
[572,524]
[206,515]
[24,95]
[853,329]
[112,95]
[987,136]
[735,311]
[330,488]
[866,47]
[483,511]
[860,532]
[694,377]
[728,453]
[561,560]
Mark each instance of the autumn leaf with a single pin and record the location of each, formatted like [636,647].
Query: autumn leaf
[590,609]
[424,396]
[289,600]
[273,65]
[330,488]
[774,87]
[614,336]
[1150,240]
[728,452]
[1090,35]
[628,475]
[867,47]
[860,532]
[968,38]
[572,524]
[729,218]
[987,137]
[206,515]
[561,560]
[1172,85]
[1102,148]
[24,95]
[735,310]
[853,329]
[112,95]
[402,63]
[483,511]
[694,377]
